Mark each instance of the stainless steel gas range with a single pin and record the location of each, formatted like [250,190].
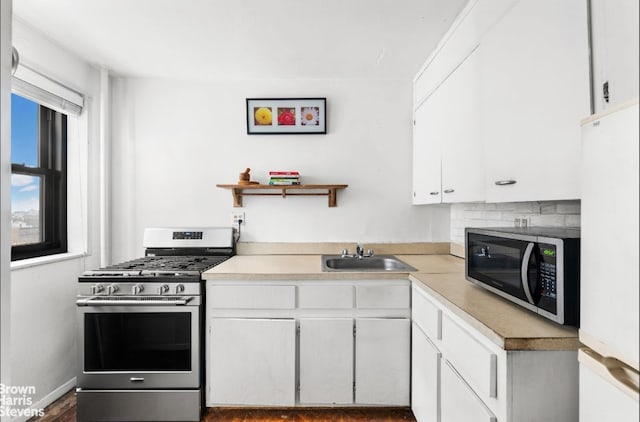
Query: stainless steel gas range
[140,329]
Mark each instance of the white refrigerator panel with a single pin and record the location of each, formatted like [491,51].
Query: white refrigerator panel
[608,391]
[609,237]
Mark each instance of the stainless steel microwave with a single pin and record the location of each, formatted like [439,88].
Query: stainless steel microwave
[536,267]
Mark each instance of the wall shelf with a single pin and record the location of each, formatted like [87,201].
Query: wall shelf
[238,191]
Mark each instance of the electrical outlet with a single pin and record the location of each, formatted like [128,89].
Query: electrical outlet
[237,216]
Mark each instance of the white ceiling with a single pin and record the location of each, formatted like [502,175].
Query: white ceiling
[246,39]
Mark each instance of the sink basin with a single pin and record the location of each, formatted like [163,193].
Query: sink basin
[383,263]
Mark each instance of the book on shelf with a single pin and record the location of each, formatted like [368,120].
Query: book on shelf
[284,173]
[284,177]
[283,183]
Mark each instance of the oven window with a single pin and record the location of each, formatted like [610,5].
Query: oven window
[137,342]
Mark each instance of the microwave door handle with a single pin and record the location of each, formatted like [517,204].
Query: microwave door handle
[524,272]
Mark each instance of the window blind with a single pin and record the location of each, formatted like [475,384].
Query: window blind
[35,86]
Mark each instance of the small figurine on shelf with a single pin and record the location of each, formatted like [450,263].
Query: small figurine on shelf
[245,178]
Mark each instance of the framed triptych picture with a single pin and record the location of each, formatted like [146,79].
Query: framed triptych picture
[286,115]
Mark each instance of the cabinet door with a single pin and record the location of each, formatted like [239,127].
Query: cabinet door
[382,361]
[459,402]
[462,165]
[252,362]
[425,377]
[426,152]
[609,236]
[326,361]
[614,29]
[534,70]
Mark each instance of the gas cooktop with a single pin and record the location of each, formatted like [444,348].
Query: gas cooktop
[160,265]
[172,255]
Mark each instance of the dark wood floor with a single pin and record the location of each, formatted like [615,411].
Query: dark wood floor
[64,410]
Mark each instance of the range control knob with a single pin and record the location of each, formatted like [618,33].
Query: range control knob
[137,288]
[164,289]
[96,289]
[179,289]
[113,288]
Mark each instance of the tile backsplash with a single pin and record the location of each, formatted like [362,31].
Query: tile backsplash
[544,213]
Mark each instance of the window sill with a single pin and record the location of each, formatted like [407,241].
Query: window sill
[44,260]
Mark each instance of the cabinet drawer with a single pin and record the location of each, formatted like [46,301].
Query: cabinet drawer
[251,297]
[325,297]
[426,314]
[383,296]
[474,361]
[459,402]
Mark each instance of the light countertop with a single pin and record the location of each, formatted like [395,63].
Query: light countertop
[441,276]
[308,267]
[506,324]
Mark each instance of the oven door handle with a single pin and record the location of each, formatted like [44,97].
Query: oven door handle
[96,301]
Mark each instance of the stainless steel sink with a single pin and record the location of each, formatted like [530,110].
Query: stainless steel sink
[380,263]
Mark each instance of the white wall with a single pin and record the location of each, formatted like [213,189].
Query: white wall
[173,141]
[43,324]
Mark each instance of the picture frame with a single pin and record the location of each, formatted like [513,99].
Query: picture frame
[280,116]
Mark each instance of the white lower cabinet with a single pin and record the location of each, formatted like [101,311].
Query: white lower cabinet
[302,343]
[458,374]
[326,360]
[425,377]
[252,362]
[382,361]
[459,402]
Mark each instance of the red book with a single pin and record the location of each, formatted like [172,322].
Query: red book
[284,173]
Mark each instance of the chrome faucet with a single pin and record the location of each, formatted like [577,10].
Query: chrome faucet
[359,252]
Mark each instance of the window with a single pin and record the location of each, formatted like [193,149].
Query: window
[38,179]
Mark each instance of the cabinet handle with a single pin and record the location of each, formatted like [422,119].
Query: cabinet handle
[505,182]
[433,193]
[449,190]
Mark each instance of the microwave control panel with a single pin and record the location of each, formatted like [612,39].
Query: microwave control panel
[548,270]
[547,276]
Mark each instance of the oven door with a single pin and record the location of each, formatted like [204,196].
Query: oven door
[139,346]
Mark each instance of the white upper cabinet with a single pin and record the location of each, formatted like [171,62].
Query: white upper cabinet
[426,153]
[534,68]
[447,164]
[463,36]
[614,29]
[462,170]
[446,141]
[500,103]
